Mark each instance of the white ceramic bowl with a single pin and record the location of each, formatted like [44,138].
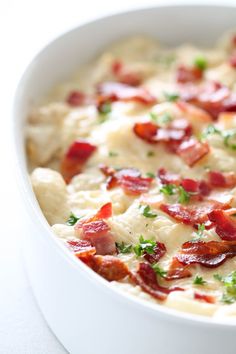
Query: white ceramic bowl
[87,315]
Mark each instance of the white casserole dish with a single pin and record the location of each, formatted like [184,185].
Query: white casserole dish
[88,315]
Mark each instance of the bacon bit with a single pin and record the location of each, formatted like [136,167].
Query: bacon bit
[232,60]
[98,233]
[220,179]
[76,98]
[203,297]
[213,97]
[225,226]
[193,214]
[129,179]
[190,185]
[168,177]
[159,252]
[177,271]
[193,114]
[115,91]
[191,151]
[185,74]
[124,76]
[146,278]
[153,134]
[75,158]
[104,212]
[81,248]
[109,267]
[208,254]
[204,188]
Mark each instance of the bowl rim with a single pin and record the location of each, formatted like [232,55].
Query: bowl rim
[154,309]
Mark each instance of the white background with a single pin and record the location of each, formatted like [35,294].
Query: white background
[25,27]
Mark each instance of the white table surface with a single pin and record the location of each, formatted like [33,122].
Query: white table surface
[27,25]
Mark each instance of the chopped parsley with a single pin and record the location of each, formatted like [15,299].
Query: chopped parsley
[158,270]
[199,280]
[161,119]
[184,196]
[147,212]
[124,248]
[144,246]
[112,154]
[228,136]
[171,97]
[150,153]
[229,283]
[210,130]
[200,232]
[105,108]
[72,219]
[150,174]
[200,62]
[171,189]
[168,189]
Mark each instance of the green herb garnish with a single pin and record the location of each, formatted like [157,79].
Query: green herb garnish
[150,153]
[229,283]
[150,174]
[184,196]
[105,108]
[161,119]
[124,248]
[200,62]
[144,246]
[171,97]
[200,232]
[112,154]
[230,138]
[158,270]
[168,189]
[72,219]
[199,281]
[147,212]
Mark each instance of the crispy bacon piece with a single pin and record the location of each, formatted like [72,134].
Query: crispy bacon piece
[109,267]
[204,188]
[76,98]
[193,214]
[123,75]
[175,133]
[177,271]
[204,297]
[191,151]
[212,96]
[208,254]
[115,91]
[185,74]
[81,248]
[159,252]
[168,177]
[75,158]
[146,278]
[129,179]
[190,185]
[225,225]
[222,179]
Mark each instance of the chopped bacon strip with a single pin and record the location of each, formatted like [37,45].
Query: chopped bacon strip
[124,76]
[109,267]
[76,98]
[159,252]
[168,177]
[146,278]
[174,133]
[104,212]
[114,91]
[225,226]
[185,74]
[193,214]
[129,179]
[222,179]
[213,97]
[204,297]
[190,185]
[81,248]
[177,271]
[208,254]
[204,188]
[75,158]
[191,151]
